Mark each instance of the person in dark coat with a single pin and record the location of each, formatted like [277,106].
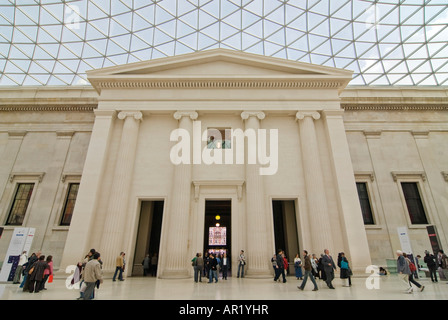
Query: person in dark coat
[320,268]
[430,261]
[345,269]
[329,267]
[37,274]
[280,267]
[26,276]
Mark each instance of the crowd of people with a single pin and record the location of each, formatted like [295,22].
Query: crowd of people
[313,268]
[212,264]
[36,271]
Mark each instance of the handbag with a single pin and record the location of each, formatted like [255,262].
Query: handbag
[31,270]
[344,264]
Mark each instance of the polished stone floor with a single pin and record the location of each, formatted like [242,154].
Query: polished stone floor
[147,288]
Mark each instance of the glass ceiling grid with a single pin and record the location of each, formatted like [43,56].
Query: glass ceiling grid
[385,42]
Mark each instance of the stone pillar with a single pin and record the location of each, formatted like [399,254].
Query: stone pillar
[315,189]
[78,238]
[112,242]
[354,233]
[9,156]
[176,262]
[258,257]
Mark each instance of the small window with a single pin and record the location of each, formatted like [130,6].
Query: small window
[414,203]
[69,206]
[219,138]
[20,204]
[364,200]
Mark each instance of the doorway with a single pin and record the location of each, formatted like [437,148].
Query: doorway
[217,227]
[148,236]
[285,229]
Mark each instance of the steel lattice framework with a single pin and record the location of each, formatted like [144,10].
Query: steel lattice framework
[389,42]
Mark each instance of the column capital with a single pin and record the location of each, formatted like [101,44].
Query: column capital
[137,115]
[303,114]
[192,114]
[247,114]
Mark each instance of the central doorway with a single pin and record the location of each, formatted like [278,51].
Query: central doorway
[217,227]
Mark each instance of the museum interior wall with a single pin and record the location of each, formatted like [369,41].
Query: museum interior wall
[394,137]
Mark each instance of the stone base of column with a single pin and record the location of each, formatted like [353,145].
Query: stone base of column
[258,274]
[174,274]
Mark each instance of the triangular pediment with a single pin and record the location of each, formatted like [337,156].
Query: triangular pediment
[218,61]
[222,64]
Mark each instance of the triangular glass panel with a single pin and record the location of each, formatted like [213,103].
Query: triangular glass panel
[234,41]
[205,19]
[248,40]
[212,8]
[204,41]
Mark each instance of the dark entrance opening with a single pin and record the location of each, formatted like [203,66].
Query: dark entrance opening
[148,237]
[217,228]
[285,230]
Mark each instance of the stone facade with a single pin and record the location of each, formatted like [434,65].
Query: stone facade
[114,138]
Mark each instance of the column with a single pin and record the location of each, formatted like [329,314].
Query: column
[354,233]
[315,189]
[176,261]
[9,155]
[112,242]
[257,253]
[81,226]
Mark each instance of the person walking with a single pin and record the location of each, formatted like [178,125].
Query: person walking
[344,270]
[308,272]
[431,263]
[280,267]
[92,274]
[119,267]
[37,274]
[403,270]
[298,267]
[412,269]
[241,264]
[329,267]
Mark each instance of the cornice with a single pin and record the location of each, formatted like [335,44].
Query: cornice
[394,107]
[49,107]
[253,83]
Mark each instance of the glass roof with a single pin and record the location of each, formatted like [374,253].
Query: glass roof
[385,42]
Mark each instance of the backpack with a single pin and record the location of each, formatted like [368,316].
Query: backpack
[412,267]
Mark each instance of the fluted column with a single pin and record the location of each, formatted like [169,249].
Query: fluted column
[356,245]
[176,260]
[112,242]
[82,226]
[258,257]
[315,189]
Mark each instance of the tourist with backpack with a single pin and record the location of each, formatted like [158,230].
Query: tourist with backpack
[412,269]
